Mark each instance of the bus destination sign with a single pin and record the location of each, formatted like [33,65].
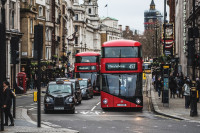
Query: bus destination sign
[121,66]
[86,68]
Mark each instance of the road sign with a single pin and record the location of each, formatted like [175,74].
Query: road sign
[35,96]
[144,76]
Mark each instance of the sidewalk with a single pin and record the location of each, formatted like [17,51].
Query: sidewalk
[24,124]
[31,91]
[176,107]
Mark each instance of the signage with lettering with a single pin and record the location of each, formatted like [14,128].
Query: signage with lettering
[121,66]
[86,68]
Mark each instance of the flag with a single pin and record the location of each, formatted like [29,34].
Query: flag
[106,5]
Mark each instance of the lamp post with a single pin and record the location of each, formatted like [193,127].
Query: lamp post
[85,46]
[164,27]
[81,46]
[153,46]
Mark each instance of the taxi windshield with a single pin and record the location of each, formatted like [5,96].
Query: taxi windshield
[59,88]
[83,83]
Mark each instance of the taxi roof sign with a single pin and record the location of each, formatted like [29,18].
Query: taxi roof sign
[59,82]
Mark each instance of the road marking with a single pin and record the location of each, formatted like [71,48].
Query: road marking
[99,127]
[93,108]
[84,127]
[98,103]
[127,127]
[169,125]
[155,126]
[32,108]
[20,106]
[69,127]
[50,124]
[113,127]
[33,103]
[184,125]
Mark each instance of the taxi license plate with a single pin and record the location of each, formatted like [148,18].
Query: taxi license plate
[58,108]
[121,105]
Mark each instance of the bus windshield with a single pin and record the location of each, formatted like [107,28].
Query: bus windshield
[59,88]
[87,59]
[126,85]
[93,76]
[121,52]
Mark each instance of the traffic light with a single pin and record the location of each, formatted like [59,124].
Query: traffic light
[14,50]
[38,41]
[197,60]
[191,52]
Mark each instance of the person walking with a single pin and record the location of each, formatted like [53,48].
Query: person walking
[159,86]
[7,103]
[172,86]
[186,87]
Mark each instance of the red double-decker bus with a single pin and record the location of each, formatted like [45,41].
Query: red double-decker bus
[87,66]
[121,75]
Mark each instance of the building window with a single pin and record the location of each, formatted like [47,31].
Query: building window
[31,2]
[32,49]
[31,24]
[76,40]
[76,28]
[40,11]
[48,53]
[12,17]
[47,15]
[76,16]
[89,11]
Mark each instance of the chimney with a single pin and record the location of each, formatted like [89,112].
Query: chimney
[120,27]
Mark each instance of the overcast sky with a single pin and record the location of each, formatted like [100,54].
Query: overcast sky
[128,12]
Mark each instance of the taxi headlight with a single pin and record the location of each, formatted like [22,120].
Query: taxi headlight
[105,101]
[70,100]
[138,101]
[48,99]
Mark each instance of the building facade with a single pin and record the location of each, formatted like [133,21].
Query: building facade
[12,18]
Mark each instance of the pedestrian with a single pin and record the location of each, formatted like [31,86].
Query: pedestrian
[180,86]
[186,87]
[7,103]
[198,88]
[172,86]
[159,86]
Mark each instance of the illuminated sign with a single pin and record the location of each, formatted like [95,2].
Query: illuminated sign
[86,68]
[121,66]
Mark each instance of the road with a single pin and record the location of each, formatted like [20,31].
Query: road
[90,118]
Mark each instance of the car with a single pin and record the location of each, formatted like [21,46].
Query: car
[59,95]
[86,88]
[61,79]
[77,90]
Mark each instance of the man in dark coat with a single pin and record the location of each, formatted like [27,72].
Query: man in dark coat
[172,86]
[7,103]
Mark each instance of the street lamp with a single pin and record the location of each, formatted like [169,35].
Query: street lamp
[85,46]
[81,46]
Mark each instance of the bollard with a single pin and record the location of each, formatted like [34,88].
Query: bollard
[193,100]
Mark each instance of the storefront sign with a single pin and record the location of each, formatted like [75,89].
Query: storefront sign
[121,66]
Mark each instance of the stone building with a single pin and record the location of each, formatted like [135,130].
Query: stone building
[110,29]
[128,34]
[12,18]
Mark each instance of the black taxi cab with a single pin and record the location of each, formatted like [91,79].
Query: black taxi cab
[59,96]
[86,88]
[77,90]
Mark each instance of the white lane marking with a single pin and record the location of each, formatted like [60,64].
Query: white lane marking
[99,127]
[155,126]
[113,127]
[20,106]
[127,127]
[32,108]
[184,125]
[103,112]
[84,127]
[76,112]
[85,113]
[69,127]
[97,113]
[33,103]
[98,103]
[50,124]
[169,125]
[93,108]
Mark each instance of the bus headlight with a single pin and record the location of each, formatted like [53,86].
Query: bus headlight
[138,101]
[93,68]
[105,101]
